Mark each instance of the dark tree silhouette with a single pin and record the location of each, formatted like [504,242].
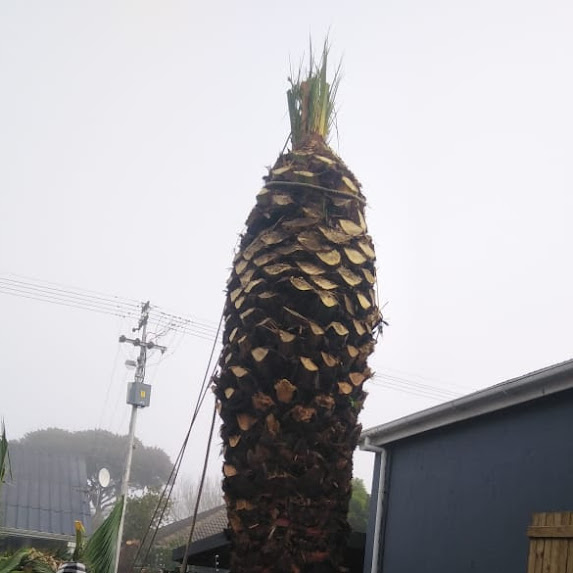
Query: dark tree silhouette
[358,507]
[100,448]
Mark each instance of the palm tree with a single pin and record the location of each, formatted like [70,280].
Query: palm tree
[300,318]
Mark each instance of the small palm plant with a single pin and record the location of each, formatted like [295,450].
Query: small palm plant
[28,560]
[98,553]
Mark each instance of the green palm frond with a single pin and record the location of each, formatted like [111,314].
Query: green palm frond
[12,563]
[25,559]
[99,552]
[36,566]
[311,101]
[4,456]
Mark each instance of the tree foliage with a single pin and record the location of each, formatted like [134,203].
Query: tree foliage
[144,513]
[359,504]
[150,467]
[185,496]
[139,515]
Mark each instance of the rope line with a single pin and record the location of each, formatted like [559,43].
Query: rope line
[183,568]
[316,188]
[163,501]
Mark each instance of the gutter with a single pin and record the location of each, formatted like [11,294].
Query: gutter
[380,503]
[511,393]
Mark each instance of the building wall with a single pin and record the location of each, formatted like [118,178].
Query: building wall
[460,498]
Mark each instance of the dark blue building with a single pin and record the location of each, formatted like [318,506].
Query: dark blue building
[455,486]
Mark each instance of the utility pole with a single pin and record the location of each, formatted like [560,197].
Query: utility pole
[138,396]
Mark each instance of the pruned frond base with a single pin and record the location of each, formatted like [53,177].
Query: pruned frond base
[300,321]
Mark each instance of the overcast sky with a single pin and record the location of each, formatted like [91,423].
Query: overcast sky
[133,139]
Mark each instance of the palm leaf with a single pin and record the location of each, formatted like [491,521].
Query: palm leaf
[26,560]
[311,101]
[36,566]
[99,553]
[9,564]
[4,456]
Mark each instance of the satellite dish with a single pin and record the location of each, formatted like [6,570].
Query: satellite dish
[103,477]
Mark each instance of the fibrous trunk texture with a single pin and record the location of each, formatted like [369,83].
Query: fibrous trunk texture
[300,319]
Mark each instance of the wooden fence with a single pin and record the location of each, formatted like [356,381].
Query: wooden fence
[551,543]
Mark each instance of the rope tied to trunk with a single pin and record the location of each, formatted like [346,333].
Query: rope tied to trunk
[316,188]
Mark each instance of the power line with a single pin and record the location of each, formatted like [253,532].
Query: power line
[69,302]
[418,385]
[163,321]
[57,289]
[411,387]
[407,375]
[67,297]
[93,301]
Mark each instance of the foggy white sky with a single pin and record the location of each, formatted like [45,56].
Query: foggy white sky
[133,139]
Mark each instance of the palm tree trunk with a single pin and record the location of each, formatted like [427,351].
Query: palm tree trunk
[300,315]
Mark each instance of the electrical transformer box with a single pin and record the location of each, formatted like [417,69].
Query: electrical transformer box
[138,394]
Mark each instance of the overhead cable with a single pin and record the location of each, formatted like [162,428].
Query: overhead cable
[93,301]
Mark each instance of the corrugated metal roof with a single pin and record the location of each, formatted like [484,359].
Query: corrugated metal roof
[46,494]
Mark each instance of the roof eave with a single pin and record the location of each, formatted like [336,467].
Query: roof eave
[29,534]
[511,393]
